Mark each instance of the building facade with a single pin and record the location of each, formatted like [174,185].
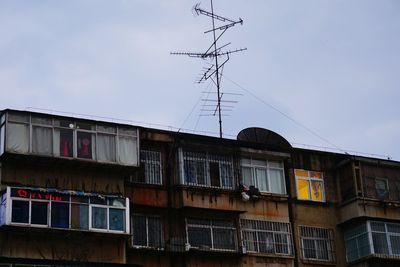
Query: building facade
[79,192]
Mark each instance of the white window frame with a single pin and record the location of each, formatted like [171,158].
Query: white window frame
[211,226]
[309,179]
[73,127]
[9,203]
[329,241]
[254,166]
[255,229]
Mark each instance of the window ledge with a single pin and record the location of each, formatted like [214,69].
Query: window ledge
[272,255]
[319,262]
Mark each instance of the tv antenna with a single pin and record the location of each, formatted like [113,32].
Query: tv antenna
[213,53]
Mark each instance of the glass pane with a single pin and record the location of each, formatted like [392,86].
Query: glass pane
[199,237]
[116,202]
[105,147]
[128,150]
[281,243]
[79,216]
[277,181]
[17,138]
[97,200]
[250,241]
[226,175]
[18,117]
[224,238]
[266,242]
[20,211]
[99,218]
[395,243]
[106,129]
[117,219]
[261,177]
[302,189]
[84,126]
[323,249]
[155,232]
[246,176]
[42,140]
[60,215]
[42,120]
[309,249]
[301,173]
[19,192]
[139,230]
[2,139]
[380,243]
[127,131]
[275,164]
[79,199]
[85,145]
[64,123]
[39,212]
[317,190]
[63,142]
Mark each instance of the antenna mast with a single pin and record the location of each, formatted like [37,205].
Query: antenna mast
[214,72]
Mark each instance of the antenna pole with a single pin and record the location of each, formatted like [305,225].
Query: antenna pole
[217,71]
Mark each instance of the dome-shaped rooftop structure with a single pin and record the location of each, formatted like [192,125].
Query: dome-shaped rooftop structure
[263,136]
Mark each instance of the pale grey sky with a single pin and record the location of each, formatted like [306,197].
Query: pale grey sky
[332,65]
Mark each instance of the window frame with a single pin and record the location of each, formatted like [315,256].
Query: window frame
[107,206]
[387,191]
[309,180]
[254,165]
[206,159]
[212,228]
[330,252]
[125,131]
[161,233]
[256,230]
[151,157]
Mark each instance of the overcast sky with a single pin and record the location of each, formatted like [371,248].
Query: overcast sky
[332,66]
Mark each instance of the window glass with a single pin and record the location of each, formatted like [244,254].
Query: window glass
[199,236]
[98,200]
[19,192]
[60,215]
[117,219]
[310,185]
[42,120]
[106,129]
[266,242]
[105,147]
[126,131]
[277,181]
[64,123]
[151,161]
[224,238]
[155,232]
[39,212]
[2,136]
[85,145]
[18,117]
[247,177]
[17,138]
[99,218]
[79,199]
[262,182]
[63,142]
[20,211]
[84,126]
[139,230]
[79,216]
[116,202]
[127,150]
[42,138]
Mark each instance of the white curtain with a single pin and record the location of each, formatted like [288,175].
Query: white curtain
[17,138]
[105,147]
[277,180]
[261,175]
[42,140]
[128,150]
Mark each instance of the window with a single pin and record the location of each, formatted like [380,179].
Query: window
[310,185]
[151,168]
[204,169]
[316,243]
[211,234]
[382,188]
[44,135]
[57,210]
[147,231]
[267,176]
[372,237]
[266,237]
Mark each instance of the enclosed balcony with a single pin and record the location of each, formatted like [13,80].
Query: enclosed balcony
[68,138]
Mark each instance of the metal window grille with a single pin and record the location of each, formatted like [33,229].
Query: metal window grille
[266,237]
[316,243]
[211,234]
[151,162]
[208,170]
[147,231]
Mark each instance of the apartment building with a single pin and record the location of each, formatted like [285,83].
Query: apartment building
[81,192]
